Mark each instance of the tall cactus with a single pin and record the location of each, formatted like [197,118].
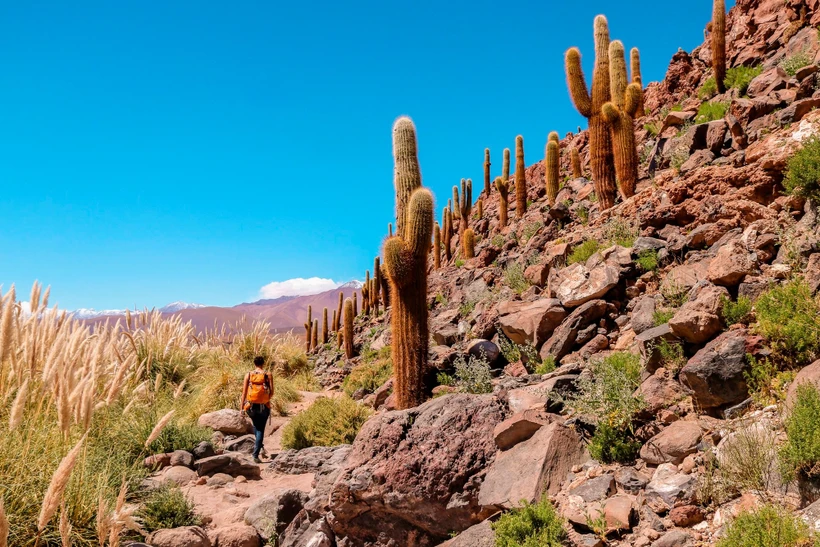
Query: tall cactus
[448,232]
[355,305]
[505,165]
[552,168]
[389,229]
[308,328]
[465,204]
[349,314]
[436,246]
[334,326]
[479,205]
[486,171]
[635,73]
[719,43]
[520,178]
[619,115]
[339,311]
[377,284]
[385,290]
[575,159]
[468,246]
[456,209]
[503,186]
[405,260]
[366,294]
[600,142]
[324,326]
[314,339]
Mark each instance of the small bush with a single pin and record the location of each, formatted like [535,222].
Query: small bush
[802,176]
[678,155]
[546,366]
[167,507]
[674,293]
[661,317]
[328,422]
[740,77]
[794,63]
[459,262]
[767,385]
[532,525]
[768,526]
[648,260]
[609,444]
[619,231]
[530,229]
[672,356]
[748,460]
[653,128]
[708,89]
[711,111]
[735,312]
[473,374]
[498,240]
[444,379]
[368,376]
[441,300]
[801,453]
[583,215]
[514,278]
[582,252]
[787,317]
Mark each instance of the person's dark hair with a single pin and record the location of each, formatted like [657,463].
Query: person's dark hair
[259,361]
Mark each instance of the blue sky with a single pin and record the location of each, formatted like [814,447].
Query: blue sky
[198,151]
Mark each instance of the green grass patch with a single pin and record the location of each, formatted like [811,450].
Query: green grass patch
[532,525]
[708,89]
[327,422]
[802,176]
[740,77]
[801,453]
[711,111]
[735,312]
[167,507]
[368,376]
[582,252]
[647,260]
[787,316]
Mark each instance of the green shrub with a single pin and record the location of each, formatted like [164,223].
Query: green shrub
[610,444]
[582,252]
[787,317]
[767,385]
[735,312]
[498,240]
[794,63]
[530,229]
[583,215]
[546,366]
[801,453]
[672,356]
[648,260]
[167,507]
[708,89]
[623,232]
[768,526]
[748,460]
[441,300]
[653,128]
[802,176]
[444,379]
[368,376]
[514,278]
[473,374]
[327,422]
[661,317]
[459,262]
[739,77]
[532,525]
[711,111]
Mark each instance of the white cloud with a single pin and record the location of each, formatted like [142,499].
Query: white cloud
[298,286]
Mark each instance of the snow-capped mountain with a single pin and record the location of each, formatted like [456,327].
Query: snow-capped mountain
[91,313]
[179,306]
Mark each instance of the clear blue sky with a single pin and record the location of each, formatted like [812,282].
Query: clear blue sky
[159,151]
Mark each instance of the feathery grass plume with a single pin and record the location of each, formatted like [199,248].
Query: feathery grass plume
[57,486]
[377,284]
[719,43]
[469,244]
[619,116]
[7,324]
[503,186]
[339,311]
[552,168]
[120,517]
[575,158]
[179,390]
[309,329]
[157,431]
[520,178]
[405,261]
[436,246]
[314,336]
[505,165]
[355,305]
[18,406]
[4,526]
[480,208]
[635,73]
[65,526]
[103,520]
[487,187]
[349,314]
[158,382]
[465,204]
[324,326]
[602,162]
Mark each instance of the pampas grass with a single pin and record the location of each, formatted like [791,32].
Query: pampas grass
[158,428]
[65,526]
[59,481]
[4,526]
[17,407]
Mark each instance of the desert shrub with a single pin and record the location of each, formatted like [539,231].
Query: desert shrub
[444,379]
[748,459]
[740,77]
[794,63]
[368,376]
[708,89]
[653,128]
[802,176]
[787,316]
[441,300]
[678,155]
[532,525]
[671,355]
[546,366]
[735,312]
[801,453]
[674,293]
[582,252]
[530,229]
[583,215]
[647,260]
[767,526]
[610,444]
[497,240]
[711,111]
[662,316]
[459,262]
[167,507]
[767,385]
[327,422]
[514,278]
[473,374]
[621,231]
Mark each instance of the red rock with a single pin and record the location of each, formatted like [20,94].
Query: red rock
[566,335]
[808,375]
[731,264]
[519,428]
[516,370]
[715,374]
[537,274]
[620,512]
[673,444]
[686,515]
[698,320]
[768,82]
[532,322]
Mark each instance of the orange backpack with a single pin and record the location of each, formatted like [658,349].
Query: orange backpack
[259,388]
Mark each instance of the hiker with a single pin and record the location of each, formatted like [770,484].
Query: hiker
[256,395]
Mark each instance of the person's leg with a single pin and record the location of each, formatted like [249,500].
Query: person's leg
[259,420]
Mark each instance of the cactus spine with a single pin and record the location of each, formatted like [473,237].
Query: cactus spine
[349,314]
[719,43]
[339,312]
[503,186]
[469,244]
[505,165]
[600,141]
[405,260]
[308,328]
[377,284]
[619,115]
[552,168]
[486,171]
[465,204]
[635,72]
[520,178]
[436,246]
[576,163]
[324,326]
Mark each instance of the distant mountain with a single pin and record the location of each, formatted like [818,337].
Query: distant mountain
[179,306]
[90,313]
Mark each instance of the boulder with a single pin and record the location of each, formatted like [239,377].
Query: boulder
[620,512]
[595,488]
[630,479]
[577,284]
[673,444]
[643,313]
[649,342]
[483,349]
[674,538]
[686,515]
[179,474]
[185,536]
[237,535]
[714,374]
[416,472]
[699,318]
[182,457]
[303,532]
[157,461]
[566,335]
[668,488]
[537,274]
[532,468]
[227,421]
[767,82]
[795,111]
[530,322]
[519,427]
[244,444]
[271,514]
[808,375]
[314,459]
[659,391]
[647,244]
[731,264]
[697,160]
[716,135]
[480,535]
[231,463]
[203,450]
